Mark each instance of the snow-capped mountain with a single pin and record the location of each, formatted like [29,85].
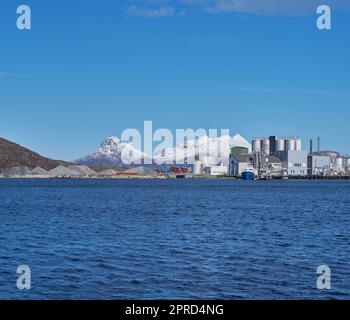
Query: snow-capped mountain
[211,151]
[114,152]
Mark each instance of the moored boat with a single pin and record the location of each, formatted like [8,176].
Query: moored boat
[249,173]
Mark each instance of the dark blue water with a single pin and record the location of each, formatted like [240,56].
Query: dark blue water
[174,239]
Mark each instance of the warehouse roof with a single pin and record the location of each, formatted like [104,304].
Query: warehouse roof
[242,158]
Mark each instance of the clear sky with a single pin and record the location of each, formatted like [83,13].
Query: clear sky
[90,69]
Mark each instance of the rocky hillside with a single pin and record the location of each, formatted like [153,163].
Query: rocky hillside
[14,155]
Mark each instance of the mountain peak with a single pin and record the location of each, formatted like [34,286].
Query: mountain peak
[114,151]
[110,141]
[111,145]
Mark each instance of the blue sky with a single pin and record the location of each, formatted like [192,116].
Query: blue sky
[90,69]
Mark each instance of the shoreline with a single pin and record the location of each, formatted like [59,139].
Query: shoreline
[171,177]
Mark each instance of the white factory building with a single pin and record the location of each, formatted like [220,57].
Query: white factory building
[273,144]
[239,163]
[328,163]
[287,150]
[319,165]
[293,162]
[267,165]
[220,170]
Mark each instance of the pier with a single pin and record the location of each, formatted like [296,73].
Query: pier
[307,177]
[319,177]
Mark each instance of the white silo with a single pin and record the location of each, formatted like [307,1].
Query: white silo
[348,163]
[280,145]
[208,161]
[339,164]
[298,144]
[197,168]
[265,146]
[291,144]
[256,145]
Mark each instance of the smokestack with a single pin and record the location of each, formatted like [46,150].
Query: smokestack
[311,146]
[318,144]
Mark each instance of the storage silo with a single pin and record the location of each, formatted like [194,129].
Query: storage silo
[298,144]
[265,146]
[291,144]
[256,145]
[348,165]
[280,145]
[339,164]
[197,168]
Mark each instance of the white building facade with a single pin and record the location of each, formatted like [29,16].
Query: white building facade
[238,164]
[319,165]
[293,162]
[216,170]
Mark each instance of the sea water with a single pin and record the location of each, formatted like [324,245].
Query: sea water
[174,239]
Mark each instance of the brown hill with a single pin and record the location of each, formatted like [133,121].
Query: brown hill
[14,155]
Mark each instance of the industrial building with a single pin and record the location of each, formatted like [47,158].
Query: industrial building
[267,165]
[239,163]
[239,151]
[287,149]
[216,170]
[273,144]
[347,161]
[279,157]
[328,163]
[319,164]
[209,165]
[294,162]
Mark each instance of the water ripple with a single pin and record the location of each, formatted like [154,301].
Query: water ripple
[174,239]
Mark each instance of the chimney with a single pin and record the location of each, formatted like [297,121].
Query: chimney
[318,144]
[311,146]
